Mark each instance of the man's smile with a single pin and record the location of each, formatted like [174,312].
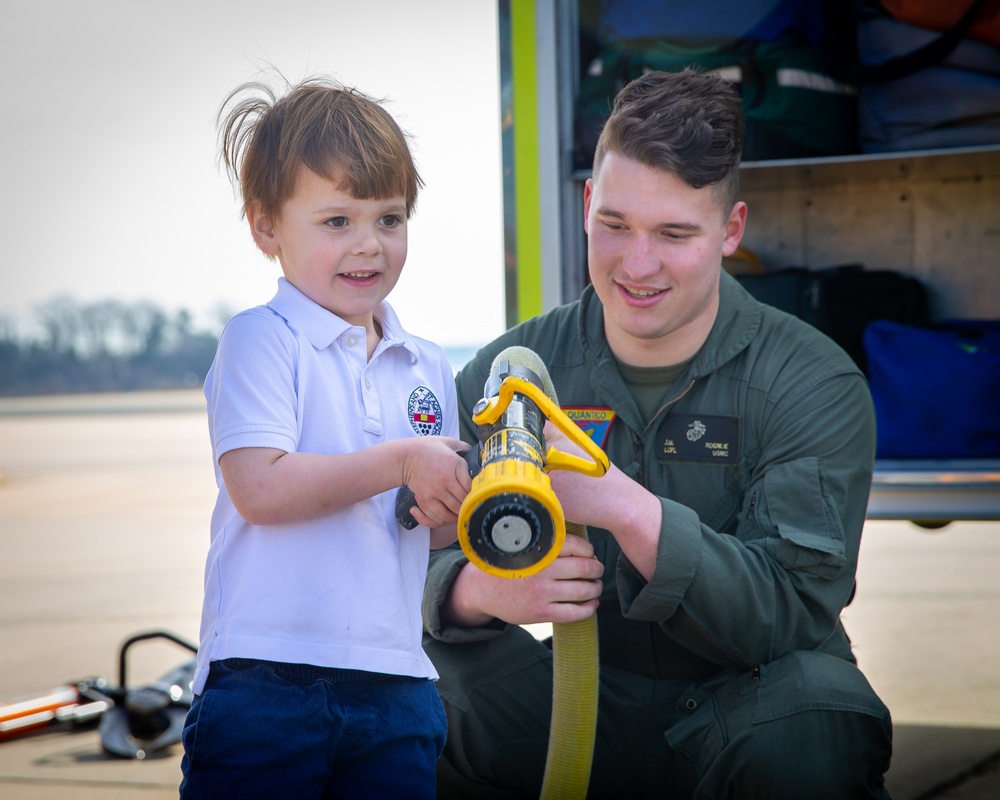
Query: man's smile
[640,294]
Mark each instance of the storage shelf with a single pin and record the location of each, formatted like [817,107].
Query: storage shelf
[936,491]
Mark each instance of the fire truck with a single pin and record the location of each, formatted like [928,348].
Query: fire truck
[931,213]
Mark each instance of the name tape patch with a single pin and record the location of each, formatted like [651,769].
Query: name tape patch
[699,437]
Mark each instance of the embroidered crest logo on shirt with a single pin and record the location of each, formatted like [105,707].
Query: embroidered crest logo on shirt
[595,422]
[699,437]
[424,411]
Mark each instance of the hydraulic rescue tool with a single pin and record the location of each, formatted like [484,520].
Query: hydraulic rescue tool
[146,719]
[133,722]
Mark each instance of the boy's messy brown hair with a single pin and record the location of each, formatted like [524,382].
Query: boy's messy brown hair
[336,131]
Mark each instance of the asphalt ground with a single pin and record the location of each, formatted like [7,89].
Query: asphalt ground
[104,508]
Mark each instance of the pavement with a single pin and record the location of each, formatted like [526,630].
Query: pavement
[104,507]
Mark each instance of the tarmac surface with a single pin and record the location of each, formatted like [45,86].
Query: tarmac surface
[104,509]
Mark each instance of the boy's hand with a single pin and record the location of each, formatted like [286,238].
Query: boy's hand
[439,478]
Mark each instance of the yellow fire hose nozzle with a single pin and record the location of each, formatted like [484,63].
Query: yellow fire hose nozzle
[554,459]
[511,523]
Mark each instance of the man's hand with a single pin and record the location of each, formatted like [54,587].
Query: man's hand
[615,502]
[565,591]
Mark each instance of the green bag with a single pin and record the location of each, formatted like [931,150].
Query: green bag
[795,104]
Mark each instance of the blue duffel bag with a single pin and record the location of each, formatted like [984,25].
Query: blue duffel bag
[936,389]
[938,99]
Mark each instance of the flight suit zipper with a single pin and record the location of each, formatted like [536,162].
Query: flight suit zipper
[637,441]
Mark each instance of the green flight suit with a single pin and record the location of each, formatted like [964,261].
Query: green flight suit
[729,673]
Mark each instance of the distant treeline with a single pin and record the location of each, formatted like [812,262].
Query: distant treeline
[104,346]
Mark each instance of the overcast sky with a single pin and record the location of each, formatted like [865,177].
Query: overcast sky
[110,185]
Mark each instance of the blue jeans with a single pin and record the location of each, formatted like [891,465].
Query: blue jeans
[263,729]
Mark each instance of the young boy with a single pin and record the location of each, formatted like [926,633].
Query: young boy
[311,679]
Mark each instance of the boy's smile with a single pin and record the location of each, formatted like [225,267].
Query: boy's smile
[343,253]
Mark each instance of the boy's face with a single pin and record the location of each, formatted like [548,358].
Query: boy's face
[343,253]
[654,251]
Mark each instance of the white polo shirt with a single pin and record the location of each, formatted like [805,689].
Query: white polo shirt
[343,590]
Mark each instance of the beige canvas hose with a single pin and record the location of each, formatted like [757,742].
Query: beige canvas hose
[574,705]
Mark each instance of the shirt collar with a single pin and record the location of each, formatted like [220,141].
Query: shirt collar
[322,328]
[736,324]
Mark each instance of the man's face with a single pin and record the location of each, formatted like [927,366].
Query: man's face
[343,253]
[655,252]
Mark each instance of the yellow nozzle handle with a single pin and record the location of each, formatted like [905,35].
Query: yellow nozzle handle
[554,459]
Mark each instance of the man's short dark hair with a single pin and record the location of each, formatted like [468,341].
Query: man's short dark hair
[688,123]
